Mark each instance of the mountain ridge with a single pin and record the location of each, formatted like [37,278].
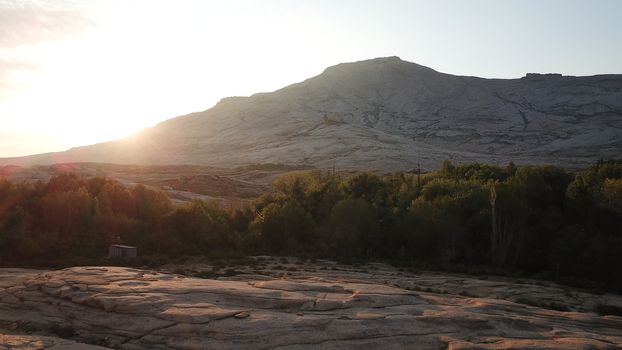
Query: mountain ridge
[385,114]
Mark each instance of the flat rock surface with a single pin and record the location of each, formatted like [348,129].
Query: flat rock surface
[313,305]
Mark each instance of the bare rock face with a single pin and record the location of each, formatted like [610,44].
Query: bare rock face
[334,309]
[386,114]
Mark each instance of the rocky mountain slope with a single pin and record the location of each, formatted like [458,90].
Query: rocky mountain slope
[303,306]
[386,114]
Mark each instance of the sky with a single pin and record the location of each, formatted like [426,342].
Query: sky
[80,72]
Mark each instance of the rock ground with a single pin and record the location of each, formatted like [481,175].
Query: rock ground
[288,304]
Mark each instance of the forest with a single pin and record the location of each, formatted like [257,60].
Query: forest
[536,221]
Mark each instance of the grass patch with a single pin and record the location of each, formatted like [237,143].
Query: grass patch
[62,331]
[551,305]
[605,309]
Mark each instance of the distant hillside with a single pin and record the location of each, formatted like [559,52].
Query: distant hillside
[385,114]
[181,182]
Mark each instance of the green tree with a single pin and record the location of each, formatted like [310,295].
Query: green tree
[366,186]
[284,228]
[355,228]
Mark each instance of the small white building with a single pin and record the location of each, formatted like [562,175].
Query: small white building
[121,251]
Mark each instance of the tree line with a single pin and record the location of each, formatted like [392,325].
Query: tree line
[531,220]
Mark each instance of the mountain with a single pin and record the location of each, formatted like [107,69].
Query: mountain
[385,114]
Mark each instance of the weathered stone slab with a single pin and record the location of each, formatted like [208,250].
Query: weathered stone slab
[341,308]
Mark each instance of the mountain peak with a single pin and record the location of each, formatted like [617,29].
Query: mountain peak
[380,64]
[386,59]
[382,114]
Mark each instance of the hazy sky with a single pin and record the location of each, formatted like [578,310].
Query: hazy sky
[81,72]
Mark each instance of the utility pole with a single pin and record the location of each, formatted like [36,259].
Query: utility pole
[418,168]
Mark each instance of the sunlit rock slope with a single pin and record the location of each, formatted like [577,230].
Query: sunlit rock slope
[386,114]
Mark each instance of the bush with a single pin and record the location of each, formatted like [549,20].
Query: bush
[605,309]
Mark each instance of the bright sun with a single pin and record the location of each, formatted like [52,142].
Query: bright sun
[127,69]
